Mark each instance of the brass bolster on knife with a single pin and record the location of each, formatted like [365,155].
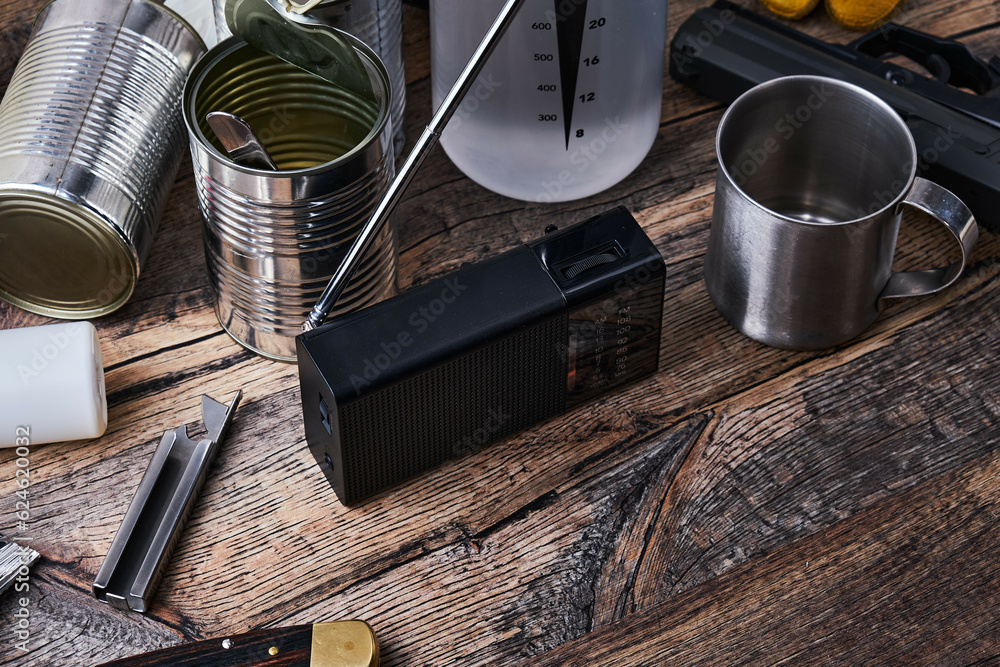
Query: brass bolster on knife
[344,644]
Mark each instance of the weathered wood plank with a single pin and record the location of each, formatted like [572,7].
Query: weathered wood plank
[796,454]
[912,581]
[736,518]
[67,628]
[776,464]
[539,564]
[281,482]
[646,496]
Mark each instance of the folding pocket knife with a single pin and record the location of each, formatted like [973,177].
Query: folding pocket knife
[335,644]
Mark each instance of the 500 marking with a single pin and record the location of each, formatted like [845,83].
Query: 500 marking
[567,68]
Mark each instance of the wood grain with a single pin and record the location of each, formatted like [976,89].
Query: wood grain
[671,521]
[866,591]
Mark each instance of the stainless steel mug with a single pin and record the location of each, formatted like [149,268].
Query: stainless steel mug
[273,239]
[91,137]
[813,177]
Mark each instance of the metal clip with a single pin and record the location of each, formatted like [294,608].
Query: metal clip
[156,516]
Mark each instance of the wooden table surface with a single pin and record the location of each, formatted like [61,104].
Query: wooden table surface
[745,505]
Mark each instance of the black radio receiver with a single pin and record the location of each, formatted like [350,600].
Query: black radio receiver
[480,354]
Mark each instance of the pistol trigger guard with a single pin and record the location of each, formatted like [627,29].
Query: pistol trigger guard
[950,62]
[939,67]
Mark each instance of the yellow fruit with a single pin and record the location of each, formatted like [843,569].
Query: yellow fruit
[791,9]
[861,14]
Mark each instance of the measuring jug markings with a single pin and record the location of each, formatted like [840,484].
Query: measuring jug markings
[591,74]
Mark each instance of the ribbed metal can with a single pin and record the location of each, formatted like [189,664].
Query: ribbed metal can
[377,23]
[273,239]
[91,137]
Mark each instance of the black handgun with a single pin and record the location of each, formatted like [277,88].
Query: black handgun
[724,50]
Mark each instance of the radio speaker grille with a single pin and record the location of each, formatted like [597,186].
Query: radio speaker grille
[491,393]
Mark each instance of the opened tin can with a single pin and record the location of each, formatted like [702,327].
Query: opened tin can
[91,137]
[273,239]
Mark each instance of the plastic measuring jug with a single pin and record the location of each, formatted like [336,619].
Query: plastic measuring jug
[569,103]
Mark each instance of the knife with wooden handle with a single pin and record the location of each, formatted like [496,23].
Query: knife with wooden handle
[335,644]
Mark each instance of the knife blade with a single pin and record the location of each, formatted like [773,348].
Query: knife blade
[334,644]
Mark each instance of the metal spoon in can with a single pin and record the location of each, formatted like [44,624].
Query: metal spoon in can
[240,141]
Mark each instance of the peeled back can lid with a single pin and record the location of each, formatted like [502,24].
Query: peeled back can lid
[313,46]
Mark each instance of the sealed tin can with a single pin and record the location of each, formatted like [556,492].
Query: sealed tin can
[377,23]
[91,137]
[273,239]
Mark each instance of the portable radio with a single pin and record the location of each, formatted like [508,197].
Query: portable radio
[480,354]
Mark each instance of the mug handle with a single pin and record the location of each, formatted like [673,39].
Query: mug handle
[952,212]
